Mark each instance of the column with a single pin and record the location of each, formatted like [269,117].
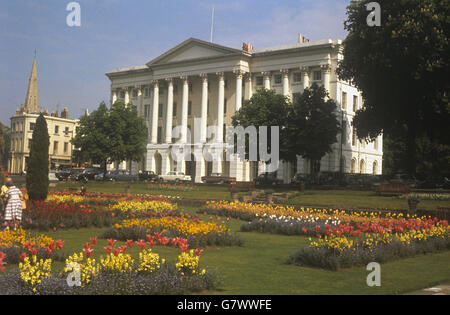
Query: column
[114,96]
[239,74]
[220,107]
[285,74]
[139,93]
[154,135]
[184,109]
[326,71]
[305,71]
[127,96]
[169,117]
[248,87]
[204,108]
[266,80]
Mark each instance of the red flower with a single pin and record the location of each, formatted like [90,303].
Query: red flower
[149,238]
[59,244]
[33,251]
[108,249]
[23,256]
[151,243]
[130,243]
[88,252]
[142,245]
[198,252]
[317,229]
[48,250]
[116,251]
[163,240]
[184,247]
[111,242]
[94,240]
[305,230]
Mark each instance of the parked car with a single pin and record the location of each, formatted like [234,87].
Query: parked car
[85,175]
[121,176]
[217,178]
[101,176]
[175,177]
[266,179]
[148,176]
[64,174]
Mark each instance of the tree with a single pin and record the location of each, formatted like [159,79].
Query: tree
[264,108]
[37,171]
[110,135]
[311,127]
[402,69]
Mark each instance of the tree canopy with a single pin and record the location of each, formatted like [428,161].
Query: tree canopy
[401,68]
[38,162]
[111,135]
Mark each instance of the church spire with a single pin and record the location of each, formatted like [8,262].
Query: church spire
[32,100]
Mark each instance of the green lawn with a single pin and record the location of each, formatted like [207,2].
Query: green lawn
[258,268]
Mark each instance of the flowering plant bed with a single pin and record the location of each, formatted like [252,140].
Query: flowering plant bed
[115,273]
[197,231]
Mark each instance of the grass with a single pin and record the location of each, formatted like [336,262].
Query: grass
[258,267]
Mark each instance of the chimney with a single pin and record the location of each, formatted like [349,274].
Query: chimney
[247,47]
[302,39]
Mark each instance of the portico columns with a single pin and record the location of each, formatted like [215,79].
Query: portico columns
[305,71]
[248,87]
[204,108]
[154,139]
[285,74]
[239,75]
[169,117]
[127,96]
[266,76]
[184,109]
[114,96]
[217,158]
[326,71]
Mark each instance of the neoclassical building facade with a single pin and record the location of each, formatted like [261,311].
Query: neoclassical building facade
[203,83]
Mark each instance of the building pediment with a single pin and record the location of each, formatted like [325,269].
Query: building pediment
[193,49]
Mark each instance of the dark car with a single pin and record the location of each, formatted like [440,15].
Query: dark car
[299,179]
[121,176]
[266,179]
[217,178]
[64,174]
[85,175]
[148,176]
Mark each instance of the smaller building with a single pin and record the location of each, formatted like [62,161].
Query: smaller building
[61,130]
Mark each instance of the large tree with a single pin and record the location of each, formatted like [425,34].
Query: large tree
[402,69]
[111,135]
[311,127]
[38,161]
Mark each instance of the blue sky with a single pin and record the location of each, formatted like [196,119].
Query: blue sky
[72,61]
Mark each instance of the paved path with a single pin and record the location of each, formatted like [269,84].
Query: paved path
[442,289]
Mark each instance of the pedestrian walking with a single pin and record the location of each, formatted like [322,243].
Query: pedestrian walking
[13,209]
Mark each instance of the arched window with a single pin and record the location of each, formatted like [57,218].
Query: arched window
[353,166]
[375,168]
[362,166]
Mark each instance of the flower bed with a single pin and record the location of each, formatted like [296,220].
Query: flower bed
[53,215]
[379,243]
[140,206]
[15,243]
[115,273]
[198,232]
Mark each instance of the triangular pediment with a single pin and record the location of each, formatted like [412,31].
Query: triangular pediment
[192,49]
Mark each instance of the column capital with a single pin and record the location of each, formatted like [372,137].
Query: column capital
[169,80]
[266,73]
[325,68]
[155,83]
[184,78]
[305,69]
[204,77]
[221,75]
[284,72]
[239,73]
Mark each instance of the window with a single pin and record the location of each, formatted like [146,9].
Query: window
[135,93]
[66,147]
[297,77]
[174,111]
[32,126]
[146,92]
[66,131]
[317,75]
[225,105]
[355,103]
[344,100]
[146,111]
[55,147]
[259,80]
[278,78]
[56,129]
[160,110]
[159,138]
[189,108]
[354,137]
[122,94]
[161,92]
[226,83]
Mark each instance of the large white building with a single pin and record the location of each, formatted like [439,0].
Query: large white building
[207,81]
